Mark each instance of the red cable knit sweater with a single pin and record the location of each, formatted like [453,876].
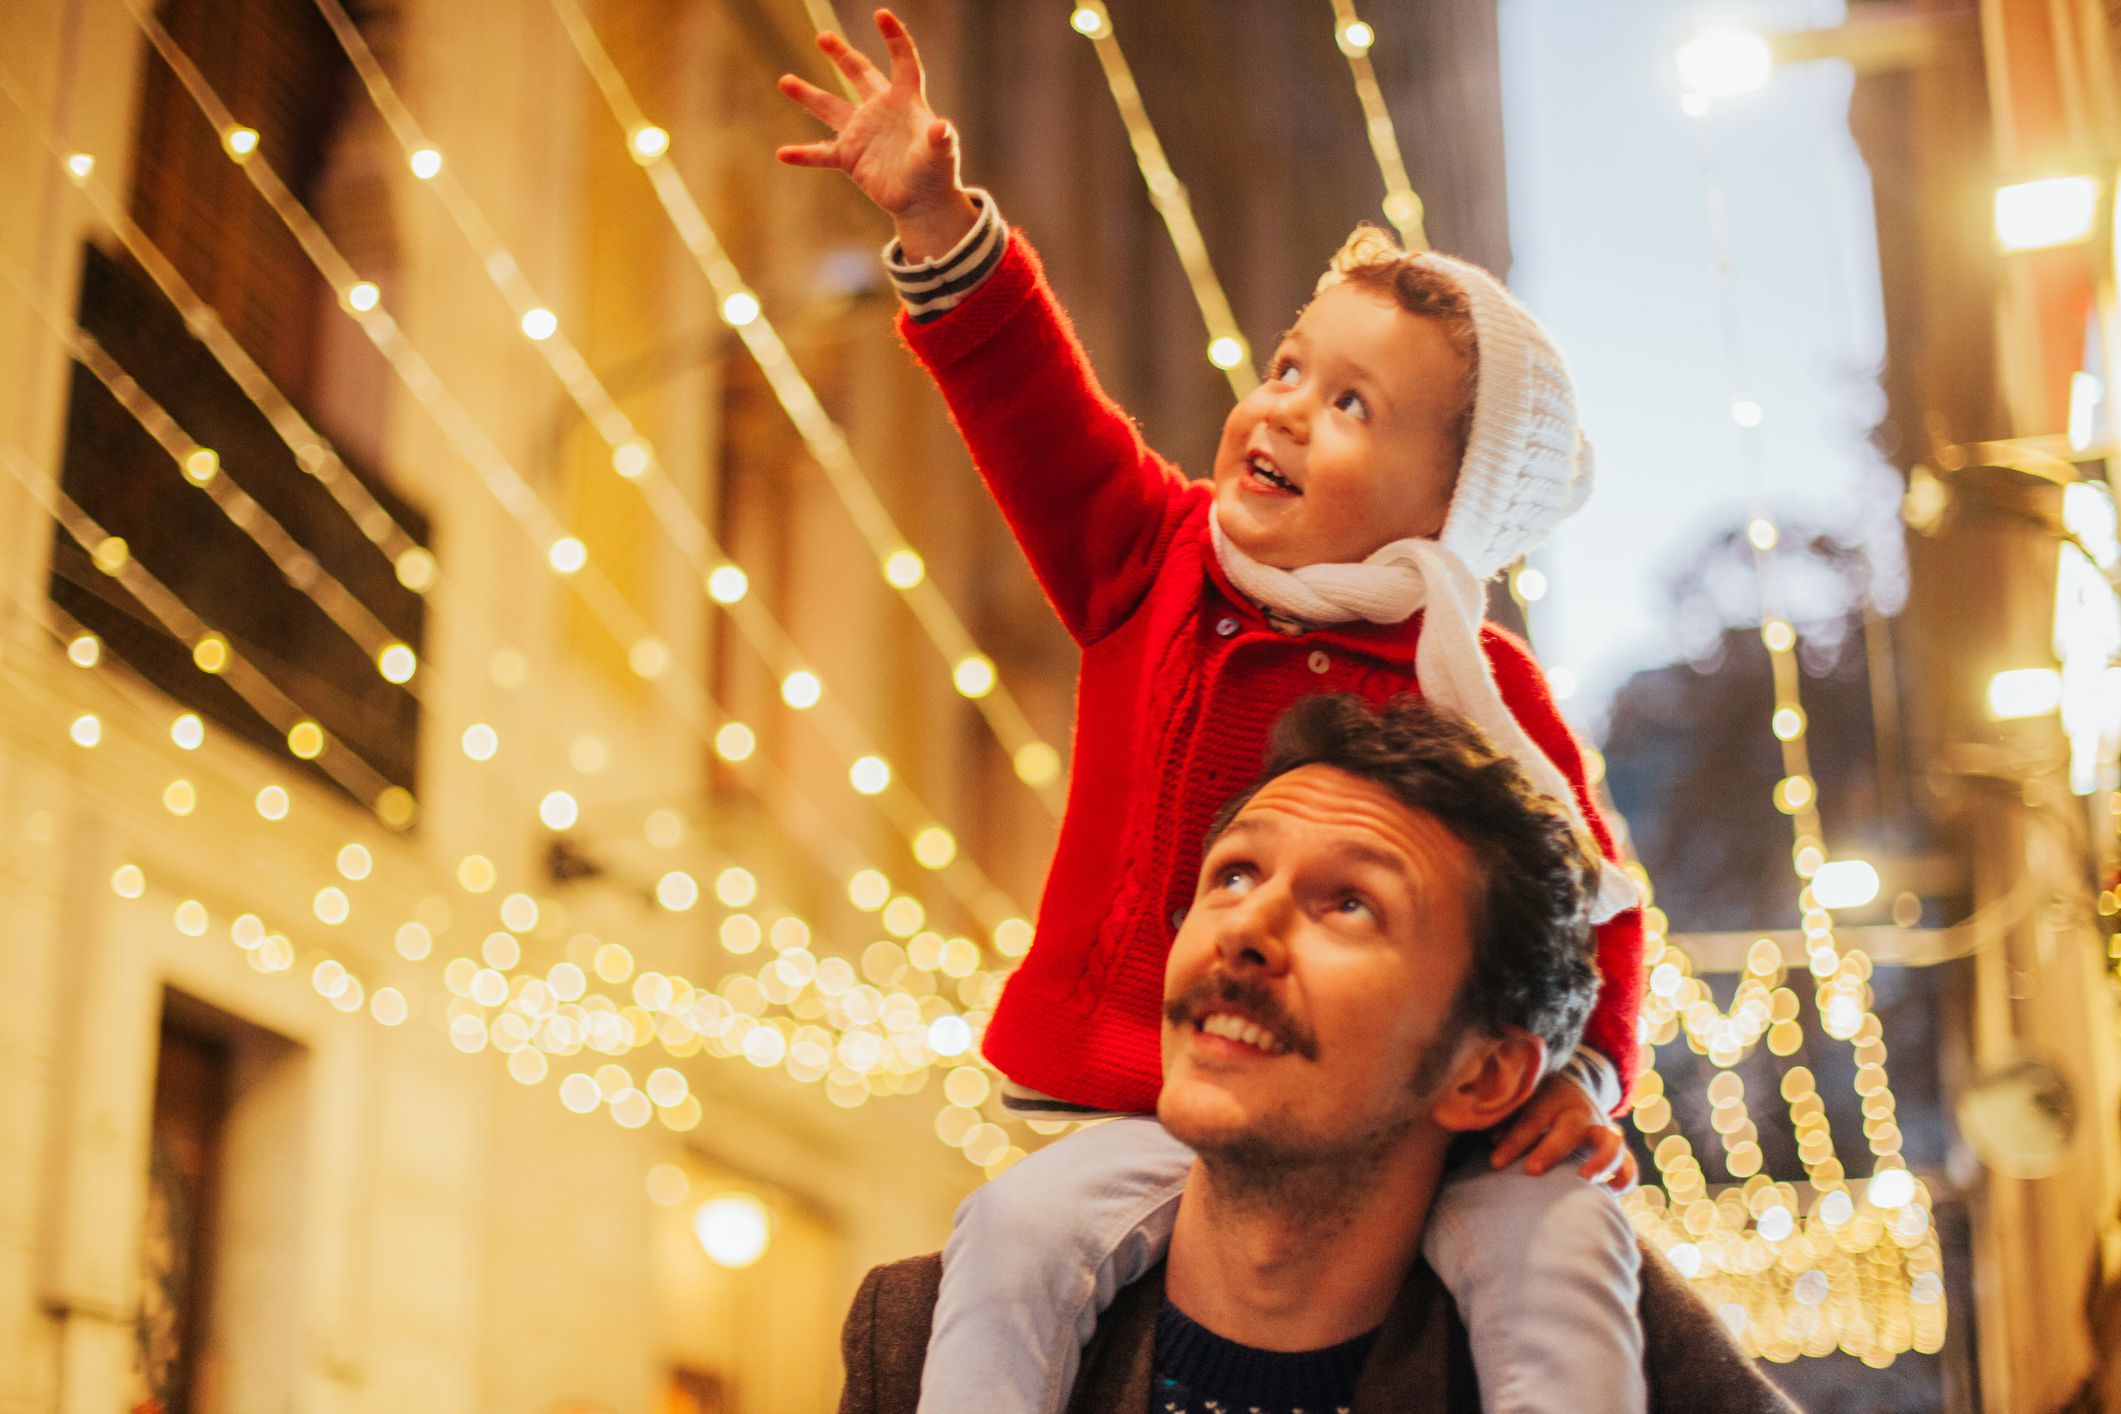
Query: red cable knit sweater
[1181,679]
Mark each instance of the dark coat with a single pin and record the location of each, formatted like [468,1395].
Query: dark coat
[1420,1362]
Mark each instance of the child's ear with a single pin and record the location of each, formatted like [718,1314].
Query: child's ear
[1494,1076]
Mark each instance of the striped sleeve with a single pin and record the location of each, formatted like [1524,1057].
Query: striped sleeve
[932,288]
[1596,1076]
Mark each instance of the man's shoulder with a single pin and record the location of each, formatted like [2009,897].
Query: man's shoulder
[885,1339]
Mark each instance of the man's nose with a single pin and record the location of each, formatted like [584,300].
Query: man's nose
[1254,934]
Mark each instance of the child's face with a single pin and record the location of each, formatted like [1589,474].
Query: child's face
[1348,444]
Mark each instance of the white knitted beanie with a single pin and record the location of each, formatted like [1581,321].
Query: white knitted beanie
[1528,464]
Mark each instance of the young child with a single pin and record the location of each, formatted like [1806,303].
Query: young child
[1416,432]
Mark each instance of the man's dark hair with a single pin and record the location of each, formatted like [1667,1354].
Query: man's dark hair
[1530,914]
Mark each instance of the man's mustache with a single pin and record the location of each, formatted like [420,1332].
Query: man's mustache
[1249,998]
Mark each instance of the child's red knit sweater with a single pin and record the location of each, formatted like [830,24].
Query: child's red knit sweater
[1181,679]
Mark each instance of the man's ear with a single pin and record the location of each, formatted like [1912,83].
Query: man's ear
[1494,1076]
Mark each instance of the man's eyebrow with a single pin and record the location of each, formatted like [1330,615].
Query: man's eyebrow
[1391,861]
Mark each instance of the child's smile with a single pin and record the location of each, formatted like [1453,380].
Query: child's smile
[1348,444]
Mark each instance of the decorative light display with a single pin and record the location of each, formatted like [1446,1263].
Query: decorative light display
[1793,1270]
[1402,205]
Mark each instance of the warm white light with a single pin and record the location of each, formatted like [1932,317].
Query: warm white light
[331,905]
[801,690]
[2086,392]
[241,142]
[1761,533]
[363,296]
[397,663]
[629,459]
[735,742]
[740,307]
[949,1036]
[1531,585]
[733,1229]
[558,810]
[2024,692]
[726,584]
[1719,63]
[870,775]
[481,741]
[868,890]
[649,142]
[128,882]
[566,554]
[1037,764]
[1787,723]
[649,658]
[355,862]
[2051,212]
[84,650]
[1845,883]
[1012,937]
[934,847]
[974,675]
[87,729]
[1357,37]
[388,1006]
[1891,1188]
[677,891]
[588,754]
[415,569]
[79,165]
[201,465]
[425,163]
[272,802]
[735,887]
[1226,351]
[904,568]
[1088,21]
[540,324]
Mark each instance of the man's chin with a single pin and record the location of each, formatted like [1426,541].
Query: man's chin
[1206,1115]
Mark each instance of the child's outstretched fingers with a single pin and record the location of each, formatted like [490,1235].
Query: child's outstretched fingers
[905,59]
[1607,1154]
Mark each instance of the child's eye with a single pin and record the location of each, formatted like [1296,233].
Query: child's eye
[1352,402]
[1286,371]
[1231,878]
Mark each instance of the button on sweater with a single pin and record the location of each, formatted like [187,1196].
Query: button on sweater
[1181,679]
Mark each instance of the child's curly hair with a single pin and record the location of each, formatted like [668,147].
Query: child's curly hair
[1371,260]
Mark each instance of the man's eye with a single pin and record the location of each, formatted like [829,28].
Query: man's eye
[1352,402]
[1286,371]
[1354,906]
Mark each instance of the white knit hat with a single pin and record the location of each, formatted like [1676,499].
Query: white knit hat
[1528,464]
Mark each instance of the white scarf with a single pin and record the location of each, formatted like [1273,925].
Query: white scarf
[1387,588]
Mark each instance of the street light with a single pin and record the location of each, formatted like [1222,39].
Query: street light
[2053,211]
[1721,63]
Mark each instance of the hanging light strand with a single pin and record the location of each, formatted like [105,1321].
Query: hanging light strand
[1402,204]
[825,441]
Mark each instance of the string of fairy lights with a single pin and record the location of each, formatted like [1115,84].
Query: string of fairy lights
[869,774]
[973,672]
[1796,1273]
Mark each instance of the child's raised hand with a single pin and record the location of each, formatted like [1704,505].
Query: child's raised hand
[890,143]
[1558,1119]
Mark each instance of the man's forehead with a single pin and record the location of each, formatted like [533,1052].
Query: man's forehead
[1352,811]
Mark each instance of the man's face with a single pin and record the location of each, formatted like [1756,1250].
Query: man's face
[1312,981]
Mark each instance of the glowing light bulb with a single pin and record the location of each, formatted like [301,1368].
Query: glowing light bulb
[1845,883]
[726,584]
[949,1036]
[735,742]
[84,650]
[558,810]
[128,882]
[801,690]
[1788,723]
[86,729]
[904,568]
[2024,692]
[363,296]
[934,847]
[735,887]
[649,142]
[1226,351]
[79,165]
[733,1230]
[1088,21]
[272,803]
[1356,37]
[480,741]
[331,905]
[630,459]
[649,658]
[677,891]
[240,142]
[1531,585]
[868,890]
[740,307]
[870,775]
[425,162]
[974,675]
[201,465]
[306,740]
[566,555]
[210,654]
[388,1006]
[397,663]
[540,324]
[415,569]
[1745,412]
[355,862]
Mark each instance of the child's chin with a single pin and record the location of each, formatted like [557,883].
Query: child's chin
[1246,530]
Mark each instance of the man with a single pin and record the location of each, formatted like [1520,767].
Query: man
[1387,943]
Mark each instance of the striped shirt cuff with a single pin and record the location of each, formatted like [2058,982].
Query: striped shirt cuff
[932,288]
[1596,1076]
